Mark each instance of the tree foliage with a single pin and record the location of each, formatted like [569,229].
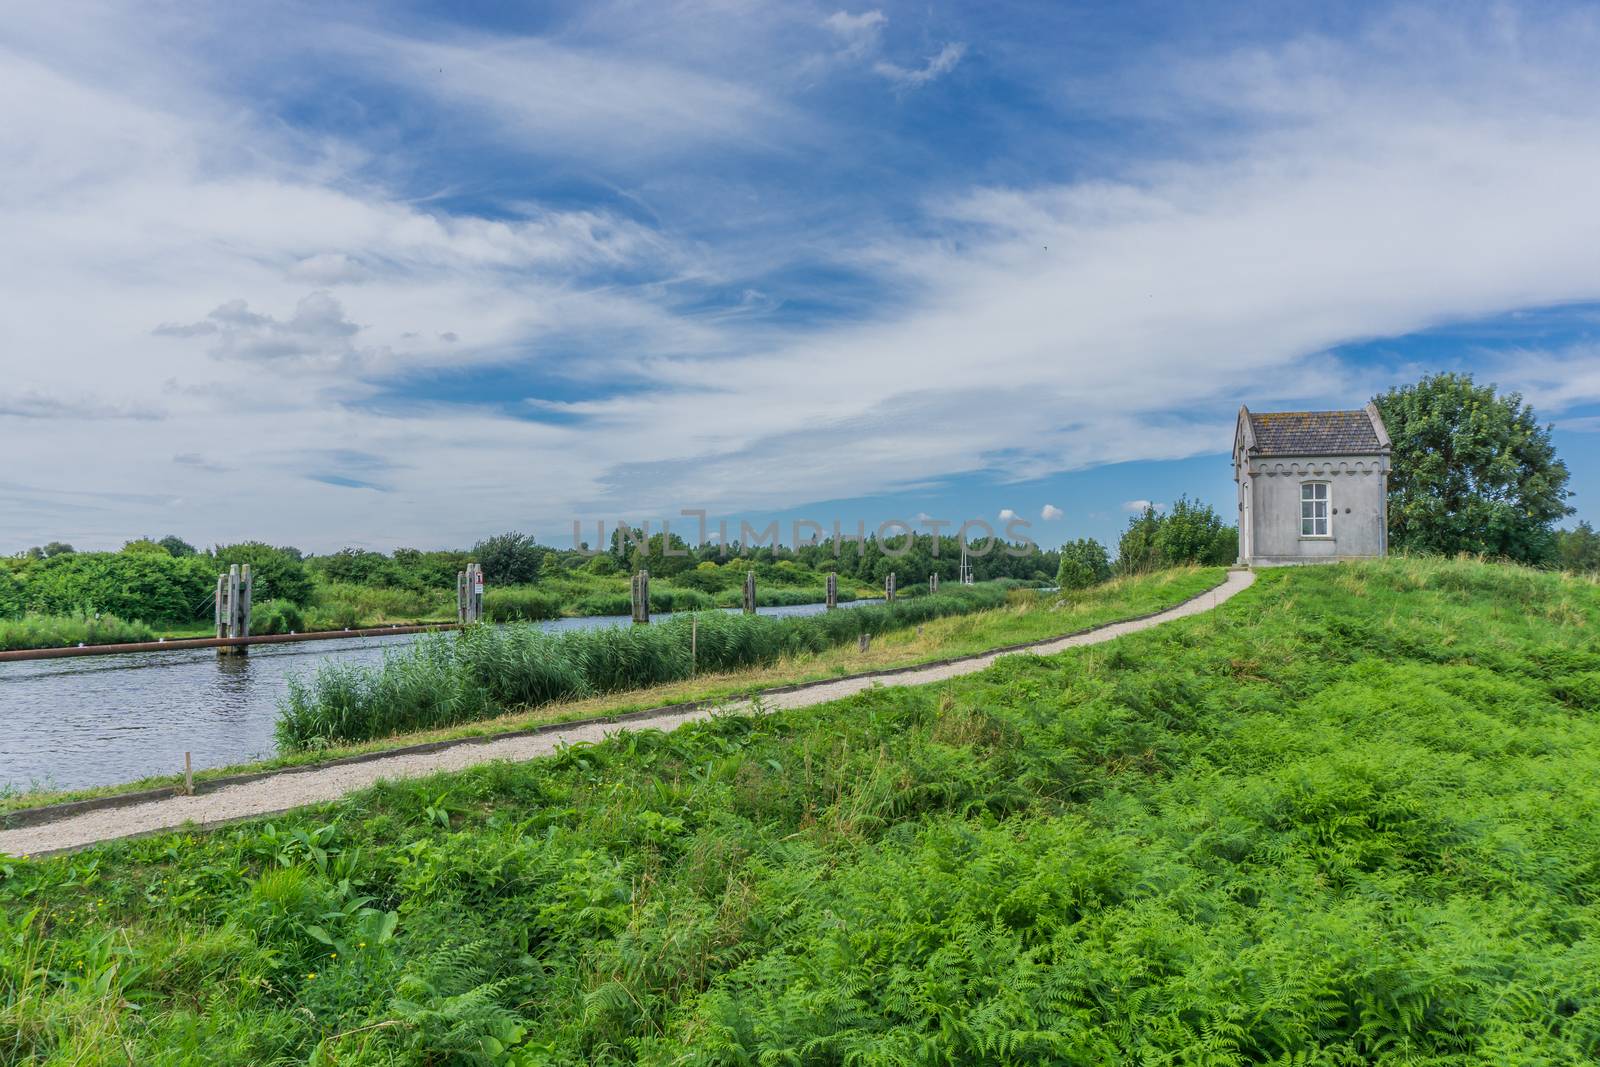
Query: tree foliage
[510,558]
[1188,532]
[1473,471]
[1578,549]
[278,572]
[1083,563]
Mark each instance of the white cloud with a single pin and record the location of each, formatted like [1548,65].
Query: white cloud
[1006,514]
[1345,191]
[1050,512]
[942,63]
[1138,506]
[860,34]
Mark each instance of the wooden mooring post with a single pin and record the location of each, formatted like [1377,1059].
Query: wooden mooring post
[749,592]
[933,584]
[888,588]
[833,591]
[469,594]
[233,607]
[641,597]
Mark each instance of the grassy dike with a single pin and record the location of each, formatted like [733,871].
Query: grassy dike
[1026,617]
[1352,816]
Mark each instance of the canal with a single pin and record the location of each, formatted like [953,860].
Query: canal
[102,720]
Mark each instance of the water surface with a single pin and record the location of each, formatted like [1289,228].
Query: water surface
[101,720]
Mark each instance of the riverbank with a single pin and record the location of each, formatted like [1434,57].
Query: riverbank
[1031,618]
[263,794]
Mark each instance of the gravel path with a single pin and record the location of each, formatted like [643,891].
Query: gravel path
[277,793]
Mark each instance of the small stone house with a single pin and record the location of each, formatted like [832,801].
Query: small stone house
[1313,486]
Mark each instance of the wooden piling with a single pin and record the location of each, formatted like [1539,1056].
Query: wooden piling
[833,591]
[469,594]
[888,588]
[641,597]
[749,592]
[188,775]
[233,602]
[933,584]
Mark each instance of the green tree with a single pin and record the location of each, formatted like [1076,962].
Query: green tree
[144,545]
[278,572]
[510,558]
[1188,532]
[177,547]
[1083,563]
[1578,550]
[1473,471]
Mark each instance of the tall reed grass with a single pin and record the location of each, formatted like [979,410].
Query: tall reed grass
[484,671]
[56,631]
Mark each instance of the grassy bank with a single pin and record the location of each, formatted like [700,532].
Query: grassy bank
[1024,618]
[486,671]
[1348,818]
[60,631]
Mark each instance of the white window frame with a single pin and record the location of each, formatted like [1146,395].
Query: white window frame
[1308,510]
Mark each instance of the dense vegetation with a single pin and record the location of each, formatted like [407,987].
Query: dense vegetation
[487,671]
[59,631]
[1348,818]
[1473,472]
[1187,534]
[168,585]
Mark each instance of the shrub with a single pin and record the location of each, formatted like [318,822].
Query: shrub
[278,573]
[276,617]
[154,587]
[510,558]
[12,593]
[1191,532]
[354,605]
[1083,563]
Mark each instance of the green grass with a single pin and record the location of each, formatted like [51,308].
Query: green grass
[1351,817]
[1026,617]
[486,671]
[57,631]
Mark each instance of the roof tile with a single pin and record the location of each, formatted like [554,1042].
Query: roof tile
[1313,433]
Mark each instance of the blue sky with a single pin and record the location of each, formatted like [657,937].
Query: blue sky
[409,274]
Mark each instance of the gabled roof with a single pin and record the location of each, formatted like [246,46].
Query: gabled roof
[1313,433]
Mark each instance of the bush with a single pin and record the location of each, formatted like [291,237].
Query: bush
[276,617]
[1191,532]
[153,587]
[278,573]
[1083,563]
[12,593]
[357,605]
[510,558]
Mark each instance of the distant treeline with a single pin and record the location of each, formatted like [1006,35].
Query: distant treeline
[169,582]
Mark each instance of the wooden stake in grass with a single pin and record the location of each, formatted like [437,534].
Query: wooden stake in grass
[865,641]
[694,639]
[188,775]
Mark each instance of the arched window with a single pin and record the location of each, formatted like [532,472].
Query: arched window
[1315,507]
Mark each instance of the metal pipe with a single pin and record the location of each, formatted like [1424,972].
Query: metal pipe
[219,642]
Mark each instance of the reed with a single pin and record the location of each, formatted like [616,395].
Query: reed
[485,671]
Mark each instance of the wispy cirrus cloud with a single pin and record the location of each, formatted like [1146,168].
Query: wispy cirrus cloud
[937,65]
